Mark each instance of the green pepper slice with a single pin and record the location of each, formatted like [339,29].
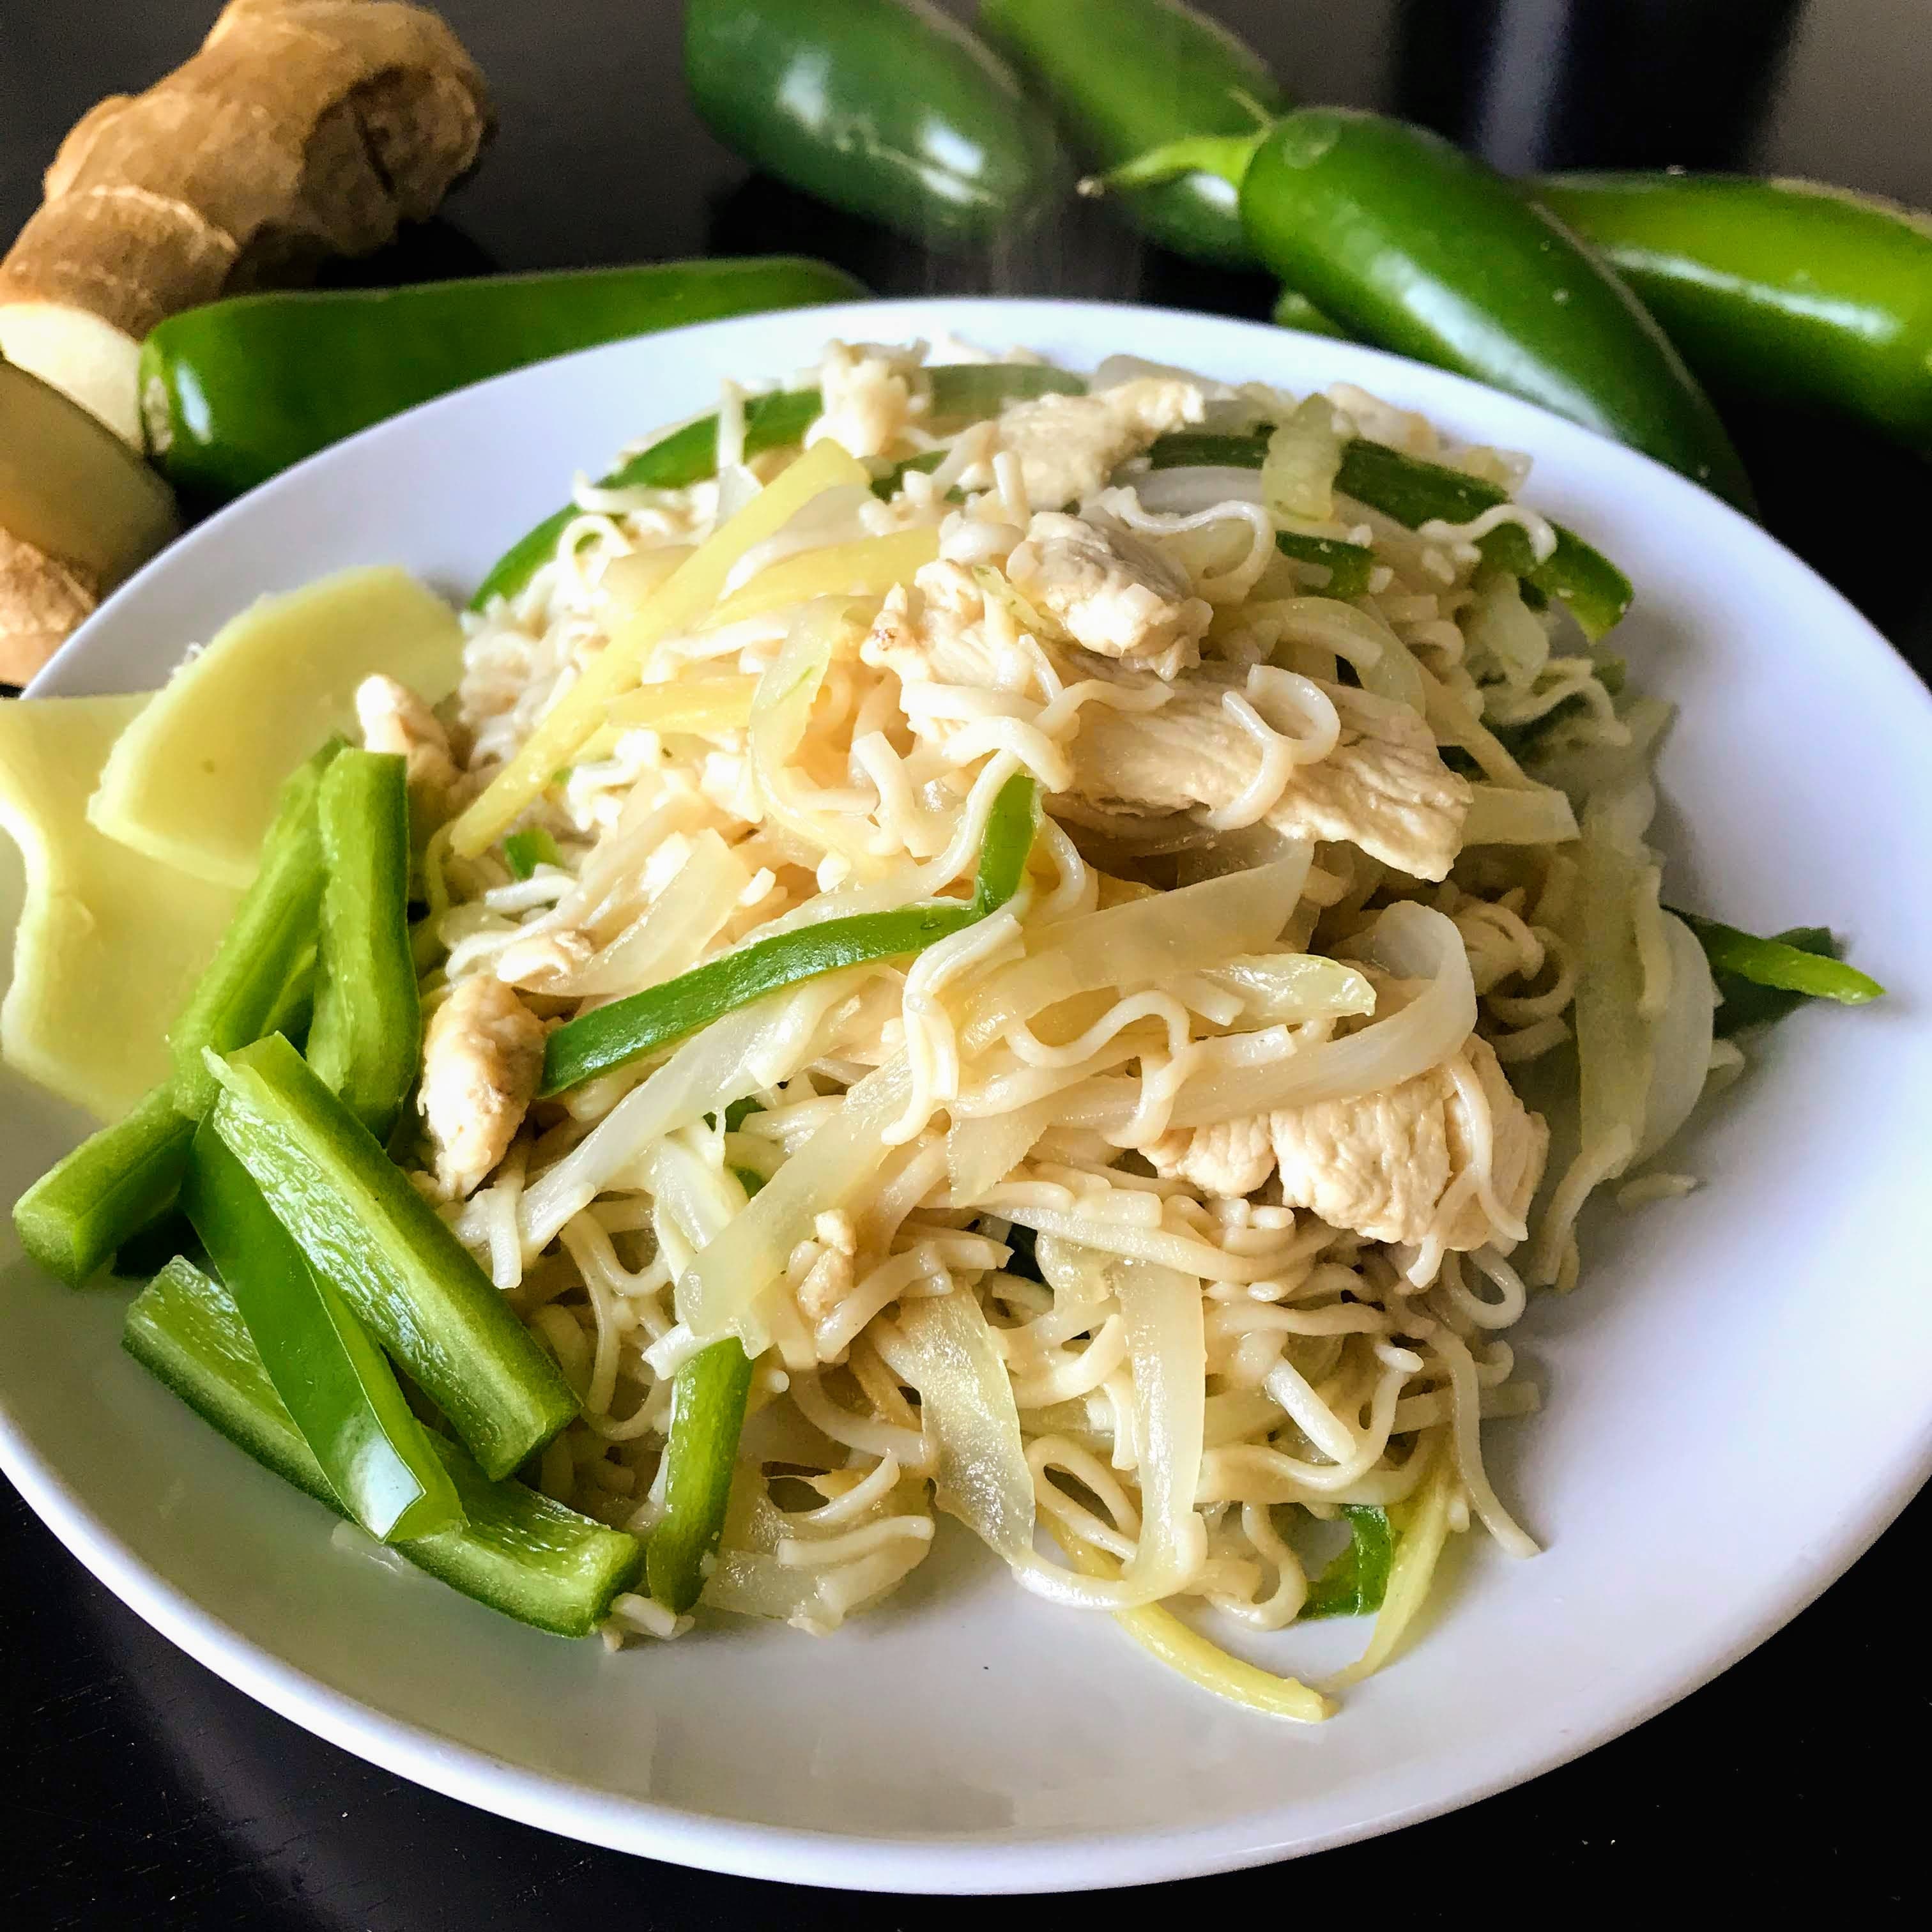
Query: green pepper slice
[1762,979]
[1347,565]
[237,390]
[884,108]
[367,1034]
[372,1237]
[1412,244]
[707,1415]
[111,1185]
[627,1029]
[1355,1583]
[518,1552]
[269,947]
[967,390]
[1414,493]
[1127,76]
[340,1393]
[1792,292]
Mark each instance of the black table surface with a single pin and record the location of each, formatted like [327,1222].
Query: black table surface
[137,1790]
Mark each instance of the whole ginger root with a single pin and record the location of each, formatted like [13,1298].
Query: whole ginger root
[302,129]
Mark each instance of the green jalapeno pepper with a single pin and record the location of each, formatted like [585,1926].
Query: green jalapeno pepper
[884,108]
[233,392]
[1785,290]
[1127,76]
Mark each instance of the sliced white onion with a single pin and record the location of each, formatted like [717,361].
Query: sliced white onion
[1680,1040]
[970,1421]
[1514,815]
[1187,492]
[1274,987]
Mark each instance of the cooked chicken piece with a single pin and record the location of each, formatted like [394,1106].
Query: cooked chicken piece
[934,631]
[1380,1165]
[483,1054]
[1069,446]
[868,397]
[1383,788]
[1229,1158]
[1111,591]
[394,719]
[537,963]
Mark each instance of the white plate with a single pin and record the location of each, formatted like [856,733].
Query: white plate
[1739,1397]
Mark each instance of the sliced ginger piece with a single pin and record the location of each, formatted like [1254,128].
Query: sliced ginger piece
[110,943]
[193,781]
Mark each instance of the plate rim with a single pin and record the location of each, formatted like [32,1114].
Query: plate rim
[988,1863]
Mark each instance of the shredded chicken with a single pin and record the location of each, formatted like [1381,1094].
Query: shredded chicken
[1230,1157]
[1383,787]
[869,397]
[483,1054]
[1111,591]
[1069,446]
[393,719]
[935,633]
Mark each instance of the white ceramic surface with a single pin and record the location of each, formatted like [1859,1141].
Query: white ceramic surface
[1738,1399]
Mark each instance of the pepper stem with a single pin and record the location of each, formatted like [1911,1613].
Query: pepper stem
[1227,155]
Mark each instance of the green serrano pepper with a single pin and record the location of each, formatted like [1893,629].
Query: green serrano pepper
[340,1393]
[1414,493]
[1763,980]
[517,1552]
[1127,76]
[707,1415]
[237,390]
[884,108]
[961,391]
[1786,290]
[367,1029]
[627,1029]
[373,1238]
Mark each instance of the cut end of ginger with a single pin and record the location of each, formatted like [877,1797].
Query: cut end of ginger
[80,354]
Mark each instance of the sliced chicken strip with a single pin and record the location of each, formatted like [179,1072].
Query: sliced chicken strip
[483,1054]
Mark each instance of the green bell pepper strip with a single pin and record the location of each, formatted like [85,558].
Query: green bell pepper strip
[340,1392]
[1347,565]
[1294,310]
[517,1552]
[628,1028]
[366,1037]
[234,392]
[74,1217]
[373,1238]
[1355,1583]
[883,108]
[268,945]
[1414,493]
[1785,291]
[968,390]
[524,851]
[1405,241]
[1801,965]
[1127,76]
[707,1415]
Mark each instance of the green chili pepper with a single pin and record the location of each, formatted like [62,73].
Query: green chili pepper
[1421,248]
[967,390]
[1347,565]
[367,1033]
[1127,76]
[519,1552]
[1354,1584]
[1405,241]
[1414,493]
[237,390]
[340,1393]
[629,1028]
[1785,290]
[524,851]
[269,943]
[1292,311]
[1763,980]
[707,1414]
[373,1237]
[111,1185]
[884,108]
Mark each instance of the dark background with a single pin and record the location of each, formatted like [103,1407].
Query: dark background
[138,1791]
